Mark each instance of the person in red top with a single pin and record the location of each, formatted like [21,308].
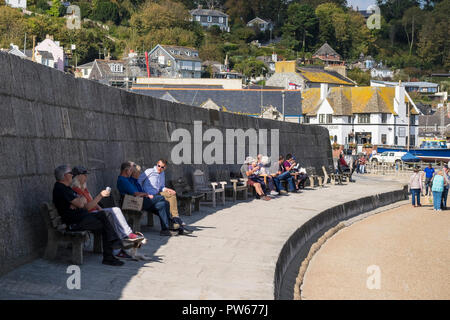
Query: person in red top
[114,215]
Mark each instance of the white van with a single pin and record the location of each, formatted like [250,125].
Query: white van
[388,157]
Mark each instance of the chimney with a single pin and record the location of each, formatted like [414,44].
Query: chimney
[399,98]
[274,57]
[323,91]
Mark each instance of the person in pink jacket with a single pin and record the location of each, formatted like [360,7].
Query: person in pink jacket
[415,186]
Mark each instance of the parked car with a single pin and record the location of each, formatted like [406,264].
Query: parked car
[388,157]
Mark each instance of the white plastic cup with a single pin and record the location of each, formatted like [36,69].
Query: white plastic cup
[108,189]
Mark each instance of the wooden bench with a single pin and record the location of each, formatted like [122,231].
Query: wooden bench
[133,217]
[186,198]
[204,186]
[57,234]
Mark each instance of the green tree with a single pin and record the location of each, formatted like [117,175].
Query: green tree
[411,21]
[251,68]
[301,27]
[12,27]
[104,10]
[55,8]
[362,78]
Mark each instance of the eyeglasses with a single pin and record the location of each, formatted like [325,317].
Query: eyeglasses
[162,167]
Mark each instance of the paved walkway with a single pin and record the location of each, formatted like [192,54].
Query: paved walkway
[410,246]
[232,255]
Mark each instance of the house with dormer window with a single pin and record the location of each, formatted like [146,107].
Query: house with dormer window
[176,61]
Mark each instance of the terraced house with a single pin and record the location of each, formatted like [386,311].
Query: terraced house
[361,115]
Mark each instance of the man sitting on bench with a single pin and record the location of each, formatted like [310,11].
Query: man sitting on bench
[151,203]
[71,209]
[284,174]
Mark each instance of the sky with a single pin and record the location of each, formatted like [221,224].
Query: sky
[361,4]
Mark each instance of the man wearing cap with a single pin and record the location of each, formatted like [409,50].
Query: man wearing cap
[71,209]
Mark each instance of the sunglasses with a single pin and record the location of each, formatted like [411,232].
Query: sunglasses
[162,167]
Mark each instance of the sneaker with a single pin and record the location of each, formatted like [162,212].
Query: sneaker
[112,261]
[184,232]
[123,255]
[266,198]
[168,233]
[282,192]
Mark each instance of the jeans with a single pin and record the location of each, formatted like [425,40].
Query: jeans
[287,176]
[161,206]
[437,196]
[118,222]
[98,222]
[415,193]
[427,185]
[362,168]
[444,199]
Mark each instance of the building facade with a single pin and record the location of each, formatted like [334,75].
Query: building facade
[17,3]
[176,62]
[363,115]
[210,17]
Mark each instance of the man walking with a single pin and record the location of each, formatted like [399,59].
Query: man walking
[429,173]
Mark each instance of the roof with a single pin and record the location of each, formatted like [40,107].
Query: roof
[318,75]
[242,101]
[86,65]
[281,79]
[208,12]
[421,84]
[259,20]
[181,55]
[346,101]
[435,118]
[326,50]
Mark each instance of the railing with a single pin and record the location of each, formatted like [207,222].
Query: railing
[399,168]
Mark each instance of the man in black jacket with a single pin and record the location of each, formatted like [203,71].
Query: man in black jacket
[71,209]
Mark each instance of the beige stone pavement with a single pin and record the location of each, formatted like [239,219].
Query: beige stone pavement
[411,247]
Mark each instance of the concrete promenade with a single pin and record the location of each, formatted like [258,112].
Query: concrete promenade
[410,246]
[232,254]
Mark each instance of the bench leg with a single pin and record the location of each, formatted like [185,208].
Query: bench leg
[311,182]
[98,243]
[52,247]
[150,219]
[223,197]
[234,195]
[320,181]
[197,204]
[77,251]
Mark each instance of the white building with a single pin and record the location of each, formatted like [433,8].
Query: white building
[17,3]
[54,49]
[261,24]
[375,115]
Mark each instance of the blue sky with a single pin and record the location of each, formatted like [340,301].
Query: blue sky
[361,4]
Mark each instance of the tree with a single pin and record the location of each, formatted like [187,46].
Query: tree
[301,26]
[55,8]
[362,78]
[411,21]
[394,9]
[105,11]
[251,68]
[12,28]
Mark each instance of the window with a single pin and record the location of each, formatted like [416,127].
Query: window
[384,118]
[116,67]
[349,119]
[364,118]
[329,118]
[306,119]
[321,118]
[412,119]
[220,19]
[197,18]
[383,139]
[209,19]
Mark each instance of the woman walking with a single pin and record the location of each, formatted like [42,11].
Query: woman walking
[415,186]
[438,188]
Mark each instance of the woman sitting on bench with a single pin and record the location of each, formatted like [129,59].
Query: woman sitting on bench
[115,215]
[255,180]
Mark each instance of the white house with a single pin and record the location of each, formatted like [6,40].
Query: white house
[375,115]
[52,47]
[261,24]
[17,3]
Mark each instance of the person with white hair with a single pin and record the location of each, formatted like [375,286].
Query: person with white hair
[254,179]
[273,182]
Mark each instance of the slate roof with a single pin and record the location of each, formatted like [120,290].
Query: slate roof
[421,84]
[182,52]
[239,101]
[346,101]
[46,55]
[208,12]
[281,78]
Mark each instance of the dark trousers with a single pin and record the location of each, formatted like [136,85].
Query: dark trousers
[98,222]
[444,199]
[161,206]
[428,186]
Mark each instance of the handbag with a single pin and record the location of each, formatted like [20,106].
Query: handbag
[132,203]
